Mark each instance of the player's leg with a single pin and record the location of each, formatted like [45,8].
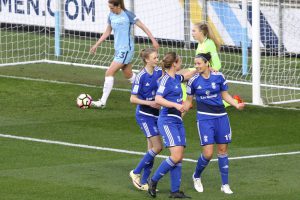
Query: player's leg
[108,83]
[127,69]
[223,137]
[148,126]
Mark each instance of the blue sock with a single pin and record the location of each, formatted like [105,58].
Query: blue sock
[223,167]
[175,176]
[163,169]
[146,160]
[147,172]
[201,164]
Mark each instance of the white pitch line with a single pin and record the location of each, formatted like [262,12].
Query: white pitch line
[133,152]
[116,89]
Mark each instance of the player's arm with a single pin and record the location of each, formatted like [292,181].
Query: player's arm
[148,33]
[228,98]
[188,102]
[135,100]
[189,74]
[103,37]
[169,104]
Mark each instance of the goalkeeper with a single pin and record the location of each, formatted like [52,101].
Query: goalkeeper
[207,42]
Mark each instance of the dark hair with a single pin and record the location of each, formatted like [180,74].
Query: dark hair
[204,56]
[205,29]
[169,59]
[117,3]
[144,54]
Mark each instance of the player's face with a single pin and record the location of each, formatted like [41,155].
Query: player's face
[200,65]
[114,9]
[152,59]
[177,63]
[196,33]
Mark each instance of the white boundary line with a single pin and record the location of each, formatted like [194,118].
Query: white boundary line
[116,89]
[133,152]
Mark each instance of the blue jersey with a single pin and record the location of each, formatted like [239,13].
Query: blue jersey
[170,89]
[145,86]
[208,95]
[122,25]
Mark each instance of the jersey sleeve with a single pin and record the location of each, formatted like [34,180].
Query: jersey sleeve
[224,85]
[190,90]
[108,20]
[136,86]
[179,77]
[132,17]
[162,88]
[215,60]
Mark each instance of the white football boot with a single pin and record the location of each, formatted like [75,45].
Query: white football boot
[197,184]
[136,180]
[98,104]
[226,189]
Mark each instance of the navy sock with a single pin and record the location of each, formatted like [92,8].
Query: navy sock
[175,176]
[223,167]
[147,172]
[201,164]
[146,160]
[163,169]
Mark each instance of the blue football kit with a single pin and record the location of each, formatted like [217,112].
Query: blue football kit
[145,86]
[212,119]
[170,123]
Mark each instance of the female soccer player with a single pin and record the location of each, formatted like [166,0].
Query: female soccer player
[212,120]
[206,43]
[147,111]
[120,21]
[170,125]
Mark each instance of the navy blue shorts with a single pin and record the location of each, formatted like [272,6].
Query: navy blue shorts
[172,131]
[215,130]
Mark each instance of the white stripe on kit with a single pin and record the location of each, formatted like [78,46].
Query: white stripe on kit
[212,114]
[146,129]
[169,135]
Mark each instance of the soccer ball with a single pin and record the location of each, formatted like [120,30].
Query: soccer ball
[84,101]
[238,99]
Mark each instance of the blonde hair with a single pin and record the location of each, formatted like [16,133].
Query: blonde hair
[145,53]
[117,3]
[205,29]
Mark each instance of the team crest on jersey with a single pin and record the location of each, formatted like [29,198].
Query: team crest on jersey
[205,138]
[207,92]
[213,85]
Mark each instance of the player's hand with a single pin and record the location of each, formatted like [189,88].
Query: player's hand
[155,44]
[180,107]
[154,105]
[93,49]
[240,106]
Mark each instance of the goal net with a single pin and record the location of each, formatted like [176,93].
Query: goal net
[62,31]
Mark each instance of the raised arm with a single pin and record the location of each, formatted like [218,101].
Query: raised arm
[228,98]
[148,33]
[101,39]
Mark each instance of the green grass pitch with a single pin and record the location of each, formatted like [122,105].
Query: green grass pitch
[35,171]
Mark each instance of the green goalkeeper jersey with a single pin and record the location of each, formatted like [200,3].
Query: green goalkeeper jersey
[209,46]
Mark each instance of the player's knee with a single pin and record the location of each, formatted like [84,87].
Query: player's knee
[177,158]
[157,148]
[208,155]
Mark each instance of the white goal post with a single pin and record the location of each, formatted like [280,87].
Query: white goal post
[259,51]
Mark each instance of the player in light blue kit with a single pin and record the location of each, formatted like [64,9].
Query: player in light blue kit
[170,124]
[121,22]
[212,120]
[147,111]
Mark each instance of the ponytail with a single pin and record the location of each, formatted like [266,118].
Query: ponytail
[206,30]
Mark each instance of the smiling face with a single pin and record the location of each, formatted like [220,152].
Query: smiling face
[114,9]
[201,65]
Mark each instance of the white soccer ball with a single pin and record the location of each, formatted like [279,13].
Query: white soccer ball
[84,101]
